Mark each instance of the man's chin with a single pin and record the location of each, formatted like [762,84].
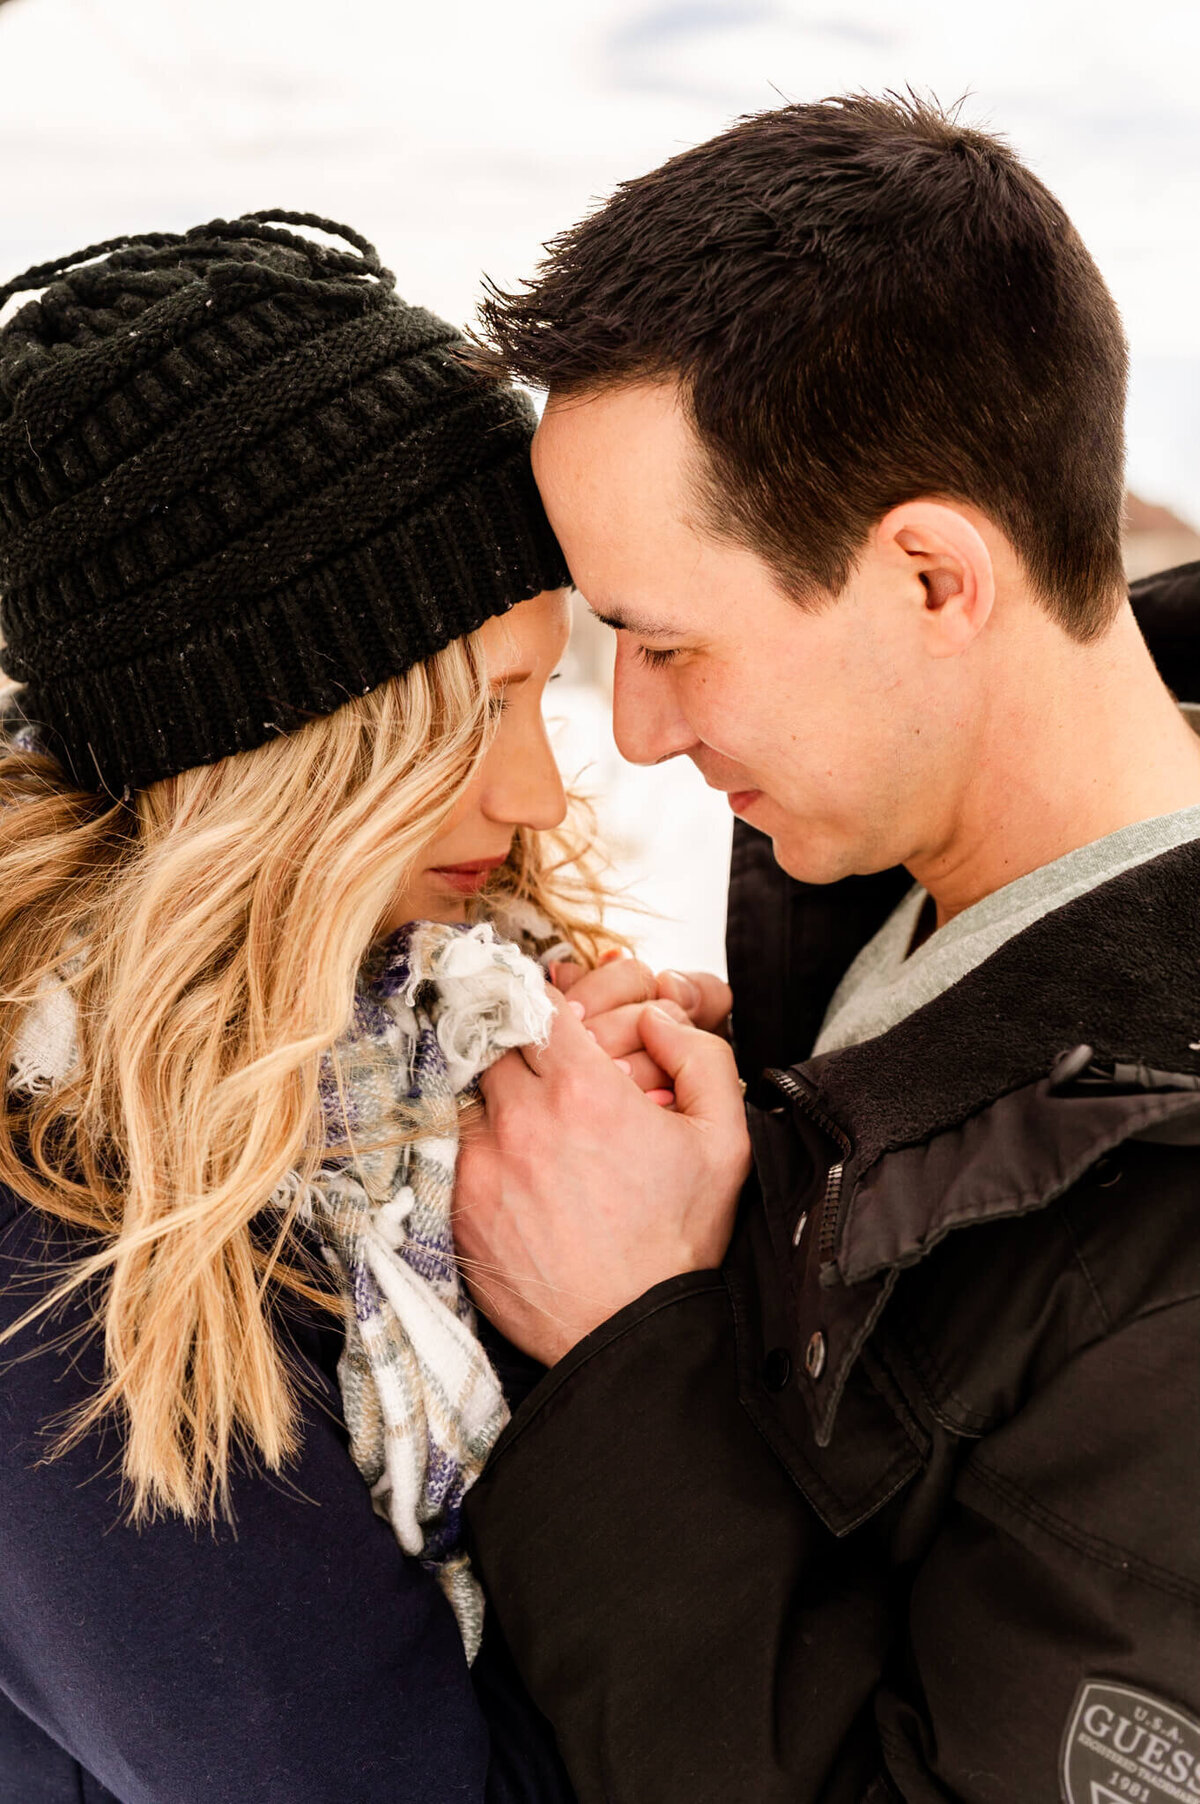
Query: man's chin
[810,859]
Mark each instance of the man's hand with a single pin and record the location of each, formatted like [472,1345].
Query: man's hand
[577,1194]
[611,1001]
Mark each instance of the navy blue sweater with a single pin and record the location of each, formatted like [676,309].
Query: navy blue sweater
[298,1656]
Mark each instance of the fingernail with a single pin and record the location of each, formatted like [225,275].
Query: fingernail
[624,1065]
[577,1008]
[687,996]
[590,1035]
[661,1097]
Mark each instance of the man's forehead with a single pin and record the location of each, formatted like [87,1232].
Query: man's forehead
[636,433]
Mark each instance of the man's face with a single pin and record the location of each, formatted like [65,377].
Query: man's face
[827,728]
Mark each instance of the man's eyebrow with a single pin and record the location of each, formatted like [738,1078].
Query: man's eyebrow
[622,622]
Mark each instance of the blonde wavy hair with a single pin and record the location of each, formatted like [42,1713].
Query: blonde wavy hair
[228,910]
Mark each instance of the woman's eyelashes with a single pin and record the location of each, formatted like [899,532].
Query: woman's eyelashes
[498,701]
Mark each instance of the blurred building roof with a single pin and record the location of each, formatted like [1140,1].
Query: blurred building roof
[1156,538]
[1148,516]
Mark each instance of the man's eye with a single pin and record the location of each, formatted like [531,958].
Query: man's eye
[656,660]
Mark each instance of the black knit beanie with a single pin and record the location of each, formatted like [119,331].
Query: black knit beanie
[240,482]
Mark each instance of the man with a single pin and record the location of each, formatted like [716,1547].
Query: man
[885,1484]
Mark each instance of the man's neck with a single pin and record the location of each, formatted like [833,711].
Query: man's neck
[1082,741]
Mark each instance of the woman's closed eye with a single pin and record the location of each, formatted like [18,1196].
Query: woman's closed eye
[498,700]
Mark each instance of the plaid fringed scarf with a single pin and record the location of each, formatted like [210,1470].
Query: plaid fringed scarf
[422,1403]
[434,1006]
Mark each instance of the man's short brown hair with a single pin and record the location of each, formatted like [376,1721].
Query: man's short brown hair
[864,301]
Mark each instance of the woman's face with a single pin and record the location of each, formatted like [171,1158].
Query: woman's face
[518,783]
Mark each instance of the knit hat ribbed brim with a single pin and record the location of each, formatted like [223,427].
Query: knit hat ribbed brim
[241,481]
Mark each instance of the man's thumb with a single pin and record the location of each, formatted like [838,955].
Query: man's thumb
[701,1067]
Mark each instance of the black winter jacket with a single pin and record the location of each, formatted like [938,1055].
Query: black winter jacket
[903,1503]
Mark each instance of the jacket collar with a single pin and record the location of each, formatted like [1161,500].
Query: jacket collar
[1117,969]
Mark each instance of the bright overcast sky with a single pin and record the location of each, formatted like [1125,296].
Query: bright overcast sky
[460,137]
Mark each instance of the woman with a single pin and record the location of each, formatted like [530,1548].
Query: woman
[282,602]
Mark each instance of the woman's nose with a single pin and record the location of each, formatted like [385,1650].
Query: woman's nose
[526,789]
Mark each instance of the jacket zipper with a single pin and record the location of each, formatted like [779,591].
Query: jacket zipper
[832,1206]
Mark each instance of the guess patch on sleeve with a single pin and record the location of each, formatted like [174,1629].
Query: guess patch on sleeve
[1123,1746]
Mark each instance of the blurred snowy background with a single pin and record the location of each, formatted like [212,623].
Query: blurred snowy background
[460,137]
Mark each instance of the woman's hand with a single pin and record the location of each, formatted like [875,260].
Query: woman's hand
[610,1001]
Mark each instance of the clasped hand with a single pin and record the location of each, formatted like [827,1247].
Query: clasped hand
[606,1161]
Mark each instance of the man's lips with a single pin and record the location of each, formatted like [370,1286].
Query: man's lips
[471,876]
[739,799]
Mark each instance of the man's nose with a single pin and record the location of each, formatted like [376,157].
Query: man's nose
[648,724]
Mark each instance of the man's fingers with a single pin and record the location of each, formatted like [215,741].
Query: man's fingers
[626,983]
[700,1067]
[619,1030]
[646,1074]
[569,1042]
[575,1049]
[511,1077]
[506,1080]
[611,986]
[707,999]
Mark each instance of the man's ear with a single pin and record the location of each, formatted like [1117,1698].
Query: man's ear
[944,560]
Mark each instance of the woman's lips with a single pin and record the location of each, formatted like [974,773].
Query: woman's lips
[467,878]
[741,799]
